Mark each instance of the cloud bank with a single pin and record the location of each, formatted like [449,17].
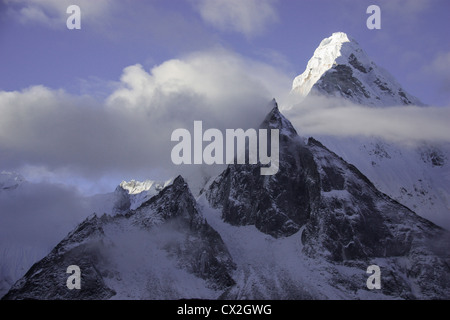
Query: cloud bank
[399,124]
[52,13]
[129,133]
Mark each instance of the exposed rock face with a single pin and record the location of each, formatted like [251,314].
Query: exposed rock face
[361,221]
[345,218]
[277,205]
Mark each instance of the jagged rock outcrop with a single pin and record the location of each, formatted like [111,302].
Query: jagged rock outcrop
[344,219]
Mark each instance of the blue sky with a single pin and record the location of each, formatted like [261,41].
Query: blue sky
[284,33]
[75,103]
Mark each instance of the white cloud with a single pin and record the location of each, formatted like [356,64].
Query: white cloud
[401,124]
[52,13]
[128,135]
[250,17]
[146,24]
[216,76]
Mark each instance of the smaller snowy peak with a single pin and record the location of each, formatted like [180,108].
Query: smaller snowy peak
[131,194]
[128,195]
[341,68]
[10,180]
[136,187]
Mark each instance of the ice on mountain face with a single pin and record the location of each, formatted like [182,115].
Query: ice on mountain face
[340,68]
[10,180]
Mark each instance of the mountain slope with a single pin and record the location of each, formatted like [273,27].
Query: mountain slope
[416,176]
[340,218]
[162,250]
[308,232]
[18,256]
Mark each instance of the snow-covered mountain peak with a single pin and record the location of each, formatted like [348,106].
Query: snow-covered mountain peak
[136,187]
[324,58]
[341,68]
[131,194]
[339,44]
